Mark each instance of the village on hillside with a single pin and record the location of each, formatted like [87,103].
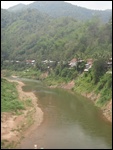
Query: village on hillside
[71,64]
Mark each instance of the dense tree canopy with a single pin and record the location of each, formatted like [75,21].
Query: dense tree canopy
[99,69]
[30,34]
[40,33]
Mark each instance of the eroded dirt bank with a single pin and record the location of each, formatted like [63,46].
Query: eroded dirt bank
[15,127]
[106,109]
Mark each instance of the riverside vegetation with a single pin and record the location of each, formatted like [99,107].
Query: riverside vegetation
[12,105]
[96,80]
[34,34]
[9,97]
[19,111]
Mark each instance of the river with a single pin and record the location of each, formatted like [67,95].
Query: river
[70,121]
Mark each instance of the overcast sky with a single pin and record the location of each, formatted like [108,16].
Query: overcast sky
[100,5]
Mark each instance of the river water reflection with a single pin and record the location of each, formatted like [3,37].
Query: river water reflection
[70,121]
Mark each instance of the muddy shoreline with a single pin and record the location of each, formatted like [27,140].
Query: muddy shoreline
[15,127]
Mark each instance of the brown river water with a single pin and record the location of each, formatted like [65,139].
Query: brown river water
[70,121]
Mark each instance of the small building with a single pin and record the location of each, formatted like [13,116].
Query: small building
[33,61]
[51,61]
[89,64]
[90,61]
[30,62]
[109,63]
[81,60]
[73,62]
[86,70]
[45,61]
[17,61]
[109,72]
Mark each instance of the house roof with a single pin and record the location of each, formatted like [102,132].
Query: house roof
[85,69]
[109,63]
[74,60]
[89,61]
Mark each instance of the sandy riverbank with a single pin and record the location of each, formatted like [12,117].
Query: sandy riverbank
[15,127]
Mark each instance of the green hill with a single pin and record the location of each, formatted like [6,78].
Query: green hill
[54,30]
[33,34]
[63,9]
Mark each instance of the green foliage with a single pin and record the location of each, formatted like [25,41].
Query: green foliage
[9,97]
[103,87]
[105,82]
[105,97]
[54,80]
[28,102]
[80,66]
[29,73]
[5,144]
[62,70]
[30,34]
[99,68]
[83,83]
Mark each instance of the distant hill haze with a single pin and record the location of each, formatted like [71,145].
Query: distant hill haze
[61,9]
[17,7]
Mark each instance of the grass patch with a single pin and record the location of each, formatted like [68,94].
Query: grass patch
[5,144]
[9,97]
[28,102]
[55,80]
[103,87]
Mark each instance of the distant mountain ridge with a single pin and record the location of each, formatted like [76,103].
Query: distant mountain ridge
[17,7]
[62,9]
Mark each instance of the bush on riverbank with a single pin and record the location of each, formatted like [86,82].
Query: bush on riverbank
[104,87]
[54,80]
[85,84]
[61,74]
[9,97]
[28,73]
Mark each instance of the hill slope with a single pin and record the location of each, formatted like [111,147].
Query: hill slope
[17,7]
[31,34]
[61,9]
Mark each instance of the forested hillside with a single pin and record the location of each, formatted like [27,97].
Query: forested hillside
[30,34]
[63,9]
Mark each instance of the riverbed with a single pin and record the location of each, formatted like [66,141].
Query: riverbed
[70,121]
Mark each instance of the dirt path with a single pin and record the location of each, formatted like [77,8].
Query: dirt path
[15,127]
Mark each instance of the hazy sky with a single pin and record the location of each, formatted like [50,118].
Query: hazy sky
[100,5]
